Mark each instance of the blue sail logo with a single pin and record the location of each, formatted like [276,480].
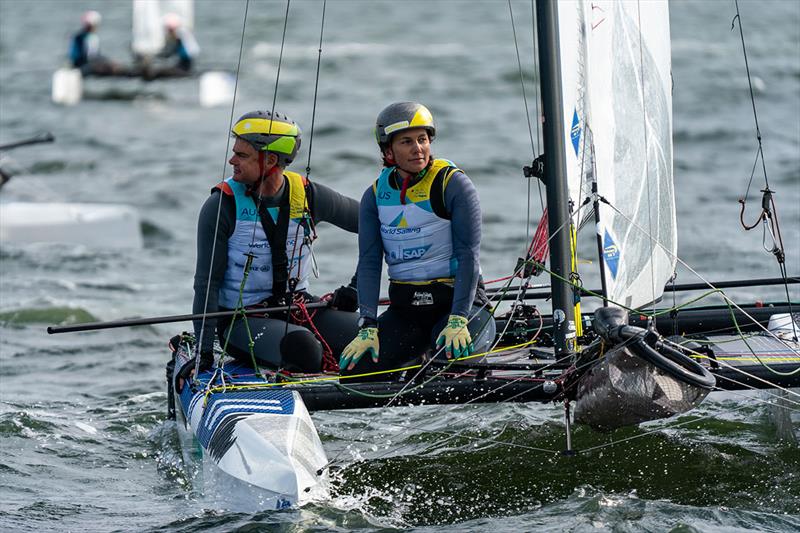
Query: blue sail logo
[575,132]
[611,254]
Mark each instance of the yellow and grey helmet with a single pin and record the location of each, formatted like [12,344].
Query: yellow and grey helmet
[276,134]
[402,116]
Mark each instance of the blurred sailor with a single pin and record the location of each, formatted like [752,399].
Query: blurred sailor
[84,51]
[180,43]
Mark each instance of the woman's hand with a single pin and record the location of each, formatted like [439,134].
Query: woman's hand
[365,342]
[455,338]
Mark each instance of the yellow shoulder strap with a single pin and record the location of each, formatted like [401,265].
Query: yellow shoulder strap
[297,194]
[439,164]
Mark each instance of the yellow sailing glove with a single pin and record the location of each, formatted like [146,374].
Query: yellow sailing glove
[455,338]
[365,341]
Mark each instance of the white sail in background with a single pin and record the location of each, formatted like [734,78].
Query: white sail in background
[148,23]
[615,62]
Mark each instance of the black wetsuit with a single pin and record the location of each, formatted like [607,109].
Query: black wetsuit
[273,337]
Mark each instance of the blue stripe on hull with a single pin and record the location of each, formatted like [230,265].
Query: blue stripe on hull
[224,409]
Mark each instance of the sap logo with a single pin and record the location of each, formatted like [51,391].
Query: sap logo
[384,195]
[415,253]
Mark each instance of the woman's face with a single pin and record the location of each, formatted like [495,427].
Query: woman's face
[410,150]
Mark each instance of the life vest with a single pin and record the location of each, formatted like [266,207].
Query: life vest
[269,272]
[417,240]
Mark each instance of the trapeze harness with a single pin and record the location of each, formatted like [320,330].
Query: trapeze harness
[279,245]
[417,239]
[415,228]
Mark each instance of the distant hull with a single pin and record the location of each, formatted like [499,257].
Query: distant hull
[100,225]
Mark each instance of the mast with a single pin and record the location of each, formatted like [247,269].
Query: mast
[601,259]
[555,170]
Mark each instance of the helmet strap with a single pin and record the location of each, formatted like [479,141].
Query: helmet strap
[262,161]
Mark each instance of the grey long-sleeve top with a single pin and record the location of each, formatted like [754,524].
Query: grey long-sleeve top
[326,205]
[461,201]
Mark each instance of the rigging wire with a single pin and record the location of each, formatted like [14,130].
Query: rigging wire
[768,203]
[536,101]
[316,90]
[280,62]
[219,204]
[527,114]
[683,263]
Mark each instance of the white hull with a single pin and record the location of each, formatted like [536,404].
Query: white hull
[100,225]
[258,453]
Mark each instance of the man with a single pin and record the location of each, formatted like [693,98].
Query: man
[254,240]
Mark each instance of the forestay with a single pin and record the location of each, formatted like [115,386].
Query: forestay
[615,62]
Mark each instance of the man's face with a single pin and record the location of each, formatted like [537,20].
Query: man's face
[244,162]
[410,150]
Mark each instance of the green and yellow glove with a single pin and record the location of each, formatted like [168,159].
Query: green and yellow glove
[365,341]
[455,338]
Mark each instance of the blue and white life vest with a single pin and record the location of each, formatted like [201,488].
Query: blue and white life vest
[417,243]
[249,237]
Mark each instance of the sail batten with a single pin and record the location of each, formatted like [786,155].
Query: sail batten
[617,98]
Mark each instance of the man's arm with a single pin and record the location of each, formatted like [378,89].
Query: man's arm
[209,237]
[328,205]
[461,201]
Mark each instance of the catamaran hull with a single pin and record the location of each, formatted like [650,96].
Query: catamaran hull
[259,448]
[96,225]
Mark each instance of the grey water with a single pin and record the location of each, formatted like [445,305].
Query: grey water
[84,439]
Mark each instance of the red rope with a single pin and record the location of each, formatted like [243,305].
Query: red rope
[538,250]
[499,279]
[540,246]
[302,317]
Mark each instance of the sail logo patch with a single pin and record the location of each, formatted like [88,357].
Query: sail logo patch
[575,132]
[611,254]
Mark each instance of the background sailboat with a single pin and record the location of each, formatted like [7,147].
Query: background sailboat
[215,87]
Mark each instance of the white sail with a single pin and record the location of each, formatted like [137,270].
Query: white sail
[148,23]
[615,62]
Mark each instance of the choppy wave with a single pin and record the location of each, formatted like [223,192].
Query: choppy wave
[49,315]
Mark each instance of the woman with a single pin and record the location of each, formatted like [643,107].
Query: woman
[423,216]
